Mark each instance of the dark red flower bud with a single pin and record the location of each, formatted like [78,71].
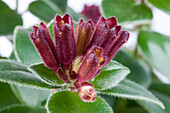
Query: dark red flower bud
[107,36]
[102,27]
[90,65]
[64,39]
[121,39]
[84,32]
[86,91]
[111,22]
[91,12]
[42,40]
[59,21]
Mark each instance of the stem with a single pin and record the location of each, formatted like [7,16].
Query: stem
[143,1]
[136,54]
[16,9]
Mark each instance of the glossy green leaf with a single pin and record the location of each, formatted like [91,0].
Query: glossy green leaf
[162,88]
[109,99]
[17,73]
[8,19]
[126,10]
[45,73]
[22,109]
[110,75]
[161,4]
[164,98]
[30,96]
[7,97]
[12,66]
[130,90]
[45,9]
[24,50]
[69,102]
[62,4]
[137,72]
[151,108]
[162,91]
[154,48]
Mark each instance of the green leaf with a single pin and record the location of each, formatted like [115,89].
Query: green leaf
[22,109]
[24,50]
[7,97]
[45,9]
[110,75]
[136,110]
[8,65]
[151,108]
[17,73]
[109,99]
[12,56]
[69,102]
[130,90]
[126,10]
[62,4]
[76,16]
[155,50]
[30,96]
[161,4]
[46,74]
[164,98]
[162,91]
[8,19]
[2,57]
[137,72]
[160,87]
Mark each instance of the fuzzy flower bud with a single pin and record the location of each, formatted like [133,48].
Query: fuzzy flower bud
[86,92]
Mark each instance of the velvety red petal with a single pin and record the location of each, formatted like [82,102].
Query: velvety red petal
[112,22]
[64,39]
[43,42]
[91,64]
[65,44]
[84,32]
[108,41]
[117,45]
[68,19]
[100,33]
